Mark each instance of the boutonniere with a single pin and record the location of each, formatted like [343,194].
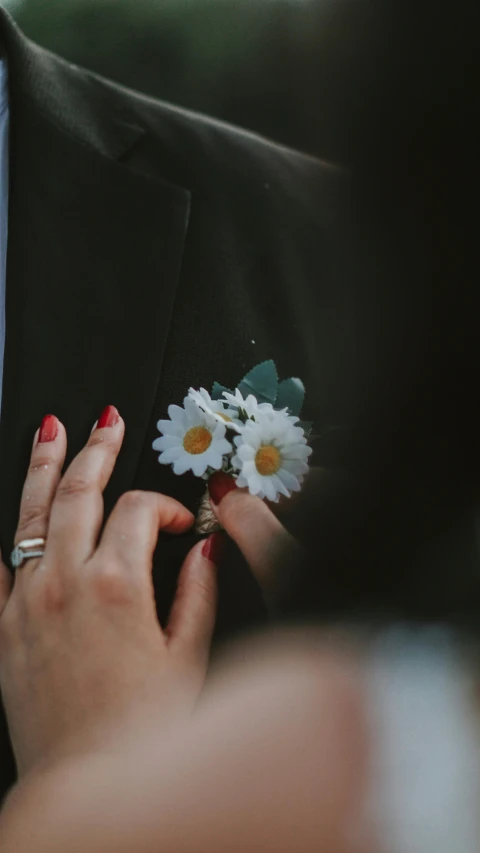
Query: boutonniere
[253,433]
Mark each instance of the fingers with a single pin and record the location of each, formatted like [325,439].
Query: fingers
[44,472]
[192,618]
[131,533]
[251,524]
[77,510]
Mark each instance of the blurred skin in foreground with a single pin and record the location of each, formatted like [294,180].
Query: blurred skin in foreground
[275,759]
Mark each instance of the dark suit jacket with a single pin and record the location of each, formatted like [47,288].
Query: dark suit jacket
[151,249]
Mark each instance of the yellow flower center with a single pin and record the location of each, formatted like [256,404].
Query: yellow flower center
[268,460]
[225,417]
[197,440]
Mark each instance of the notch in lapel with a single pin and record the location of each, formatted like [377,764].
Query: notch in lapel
[93,260]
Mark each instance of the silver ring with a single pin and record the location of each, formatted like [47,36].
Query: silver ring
[25,550]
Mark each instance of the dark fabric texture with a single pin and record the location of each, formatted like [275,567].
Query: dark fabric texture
[396,533]
[151,249]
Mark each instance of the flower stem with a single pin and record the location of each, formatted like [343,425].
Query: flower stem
[206,521]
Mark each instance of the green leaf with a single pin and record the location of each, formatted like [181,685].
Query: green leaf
[262,382]
[218,390]
[291,394]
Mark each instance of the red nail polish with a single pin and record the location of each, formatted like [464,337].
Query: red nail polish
[219,484]
[108,418]
[48,429]
[213,548]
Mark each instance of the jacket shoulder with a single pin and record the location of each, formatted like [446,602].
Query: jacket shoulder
[195,144]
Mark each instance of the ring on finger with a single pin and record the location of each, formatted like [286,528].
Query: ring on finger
[26,550]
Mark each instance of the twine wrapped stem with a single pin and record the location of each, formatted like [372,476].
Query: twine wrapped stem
[206,522]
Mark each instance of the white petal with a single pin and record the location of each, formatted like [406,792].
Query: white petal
[194,413]
[245,452]
[282,417]
[255,484]
[218,428]
[199,464]
[198,398]
[177,415]
[295,446]
[296,451]
[228,424]
[295,433]
[170,428]
[214,460]
[231,398]
[223,446]
[166,441]
[281,487]
[269,488]
[169,456]
[205,397]
[242,483]
[289,480]
[182,464]
[295,466]
[252,437]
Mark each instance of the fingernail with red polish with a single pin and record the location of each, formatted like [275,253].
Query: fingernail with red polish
[48,429]
[108,418]
[213,548]
[219,484]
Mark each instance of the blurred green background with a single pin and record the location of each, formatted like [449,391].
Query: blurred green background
[284,68]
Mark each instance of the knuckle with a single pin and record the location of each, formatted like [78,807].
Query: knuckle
[112,587]
[74,486]
[136,499]
[41,462]
[32,518]
[49,596]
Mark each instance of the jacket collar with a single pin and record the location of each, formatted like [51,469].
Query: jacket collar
[45,80]
[94,255]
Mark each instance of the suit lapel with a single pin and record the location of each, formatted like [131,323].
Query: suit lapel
[93,259]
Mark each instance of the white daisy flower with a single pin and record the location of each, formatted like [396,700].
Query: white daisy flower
[249,405]
[271,457]
[191,440]
[218,409]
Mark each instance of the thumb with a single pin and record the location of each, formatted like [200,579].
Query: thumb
[5,584]
[251,524]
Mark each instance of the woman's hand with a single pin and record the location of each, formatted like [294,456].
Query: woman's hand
[81,650]
[261,537]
